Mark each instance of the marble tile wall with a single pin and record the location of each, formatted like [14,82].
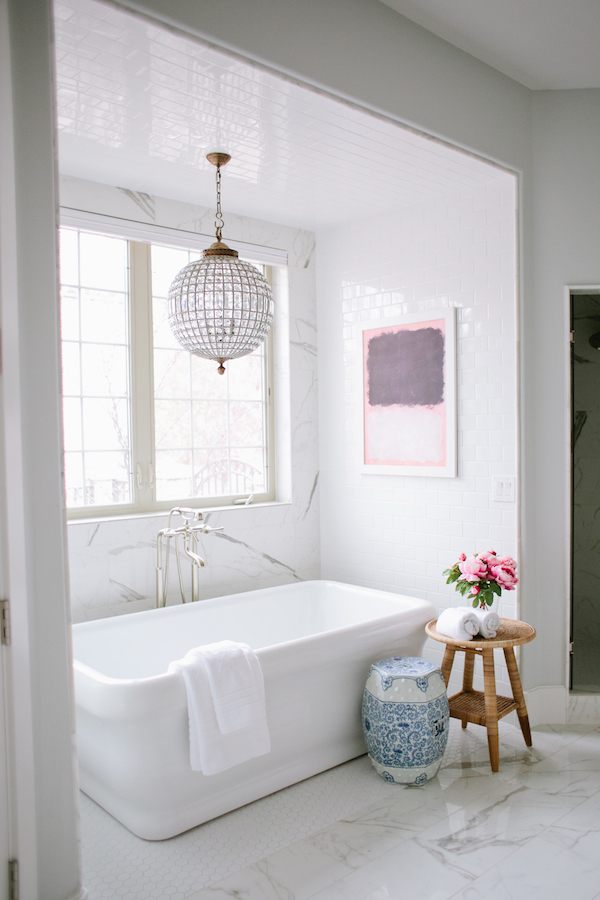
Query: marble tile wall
[398,533]
[113,561]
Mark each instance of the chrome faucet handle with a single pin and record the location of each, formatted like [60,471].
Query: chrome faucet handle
[206,529]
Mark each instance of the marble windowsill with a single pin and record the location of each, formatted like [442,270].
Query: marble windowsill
[161,513]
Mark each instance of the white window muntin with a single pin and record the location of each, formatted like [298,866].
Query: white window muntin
[143,455]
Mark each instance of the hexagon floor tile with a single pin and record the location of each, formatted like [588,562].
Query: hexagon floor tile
[117,864]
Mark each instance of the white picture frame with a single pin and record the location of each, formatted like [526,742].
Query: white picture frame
[408,395]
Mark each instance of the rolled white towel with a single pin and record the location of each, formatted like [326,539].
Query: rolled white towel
[489,622]
[458,623]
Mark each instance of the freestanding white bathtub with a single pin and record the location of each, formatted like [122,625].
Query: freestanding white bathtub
[315,641]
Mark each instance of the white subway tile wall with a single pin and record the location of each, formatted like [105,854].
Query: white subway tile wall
[398,533]
[139,104]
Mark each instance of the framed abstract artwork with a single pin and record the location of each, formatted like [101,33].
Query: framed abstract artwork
[409,395]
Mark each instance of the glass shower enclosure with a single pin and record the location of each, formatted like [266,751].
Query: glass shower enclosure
[585,503]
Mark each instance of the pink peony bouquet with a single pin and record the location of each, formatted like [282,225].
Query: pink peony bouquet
[483,576]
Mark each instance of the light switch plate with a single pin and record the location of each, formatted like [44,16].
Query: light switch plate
[503,489]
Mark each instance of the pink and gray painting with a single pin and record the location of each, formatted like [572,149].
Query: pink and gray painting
[404,399]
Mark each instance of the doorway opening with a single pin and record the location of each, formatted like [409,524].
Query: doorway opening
[585,491]
[448,224]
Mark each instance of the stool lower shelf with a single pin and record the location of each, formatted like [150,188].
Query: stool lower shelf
[469,706]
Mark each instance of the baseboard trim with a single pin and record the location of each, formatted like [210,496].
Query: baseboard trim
[547,705]
[584,709]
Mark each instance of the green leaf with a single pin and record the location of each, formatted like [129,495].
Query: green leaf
[476,602]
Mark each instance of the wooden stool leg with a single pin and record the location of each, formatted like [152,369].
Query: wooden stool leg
[491,707]
[468,677]
[515,683]
[447,663]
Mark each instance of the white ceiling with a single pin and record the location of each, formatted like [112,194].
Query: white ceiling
[543,44]
[139,107]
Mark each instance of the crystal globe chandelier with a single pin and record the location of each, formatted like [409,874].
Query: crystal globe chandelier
[220,307]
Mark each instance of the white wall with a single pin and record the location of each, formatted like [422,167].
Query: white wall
[113,562]
[396,532]
[38,660]
[566,213]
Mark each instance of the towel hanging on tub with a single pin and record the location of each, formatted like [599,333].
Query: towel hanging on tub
[226,705]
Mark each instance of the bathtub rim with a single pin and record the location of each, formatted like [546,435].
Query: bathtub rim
[268,653]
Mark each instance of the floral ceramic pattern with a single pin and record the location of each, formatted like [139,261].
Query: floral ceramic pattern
[405,735]
[413,667]
[405,719]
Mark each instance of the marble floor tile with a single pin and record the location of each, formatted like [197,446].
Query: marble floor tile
[318,861]
[530,831]
[578,756]
[564,733]
[408,871]
[453,787]
[296,873]
[583,817]
[489,829]
[540,869]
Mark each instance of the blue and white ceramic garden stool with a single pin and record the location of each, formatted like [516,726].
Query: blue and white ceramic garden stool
[405,719]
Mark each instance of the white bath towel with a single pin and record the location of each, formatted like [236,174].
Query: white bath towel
[236,684]
[458,623]
[226,706]
[489,622]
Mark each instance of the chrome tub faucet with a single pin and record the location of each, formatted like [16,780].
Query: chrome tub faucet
[185,537]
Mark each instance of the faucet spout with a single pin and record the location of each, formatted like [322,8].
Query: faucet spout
[194,556]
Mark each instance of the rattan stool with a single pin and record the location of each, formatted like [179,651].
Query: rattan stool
[485,707]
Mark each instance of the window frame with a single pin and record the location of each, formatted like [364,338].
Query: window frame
[139,239]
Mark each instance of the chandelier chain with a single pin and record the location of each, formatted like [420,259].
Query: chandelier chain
[219,221]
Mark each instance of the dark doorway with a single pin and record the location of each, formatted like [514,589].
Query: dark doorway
[585,458]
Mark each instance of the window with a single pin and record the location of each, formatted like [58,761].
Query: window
[148,425]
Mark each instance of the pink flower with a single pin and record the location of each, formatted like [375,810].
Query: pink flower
[504,575]
[462,557]
[490,557]
[475,590]
[473,569]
